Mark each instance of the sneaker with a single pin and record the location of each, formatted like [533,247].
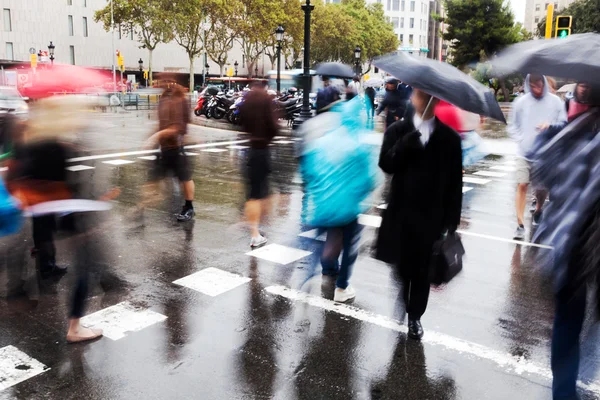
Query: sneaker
[344,295]
[519,233]
[537,218]
[258,241]
[52,270]
[186,215]
[533,206]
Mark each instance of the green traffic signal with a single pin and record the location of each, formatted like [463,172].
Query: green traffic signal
[563,33]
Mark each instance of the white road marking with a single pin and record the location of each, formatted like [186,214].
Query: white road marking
[16,367]
[118,320]
[476,181]
[118,162]
[279,254]
[490,173]
[284,141]
[369,220]
[214,150]
[501,239]
[189,153]
[509,363]
[312,234]
[79,167]
[465,189]
[237,147]
[150,158]
[142,152]
[279,137]
[212,281]
[382,206]
[504,168]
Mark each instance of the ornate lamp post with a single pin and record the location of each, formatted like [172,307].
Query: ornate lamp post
[279,37]
[235,65]
[305,111]
[141,64]
[51,48]
[357,52]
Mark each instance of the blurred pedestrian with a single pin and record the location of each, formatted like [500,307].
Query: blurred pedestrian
[327,95]
[551,84]
[424,157]
[578,103]
[339,174]
[567,165]
[370,94]
[260,122]
[395,102]
[529,113]
[173,117]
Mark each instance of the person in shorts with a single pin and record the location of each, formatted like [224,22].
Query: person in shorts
[260,122]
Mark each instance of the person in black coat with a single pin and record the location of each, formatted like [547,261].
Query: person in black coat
[425,199]
[396,99]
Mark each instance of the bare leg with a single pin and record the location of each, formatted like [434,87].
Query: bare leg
[520,201]
[188,190]
[253,211]
[78,333]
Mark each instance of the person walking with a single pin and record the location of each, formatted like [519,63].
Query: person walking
[538,107]
[565,163]
[327,95]
[395,101]
[260,122]
[173,115]
[425,158]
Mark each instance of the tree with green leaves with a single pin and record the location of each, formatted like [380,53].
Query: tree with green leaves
[187,18]
[145,17]
[478,29]
[585,13]
[293,23]
[221,33]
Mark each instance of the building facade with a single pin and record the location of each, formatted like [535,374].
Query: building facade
[536,10]
[78,40]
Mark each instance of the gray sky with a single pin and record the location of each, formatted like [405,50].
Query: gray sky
[518,7]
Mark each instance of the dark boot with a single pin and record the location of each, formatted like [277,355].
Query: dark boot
[415,329]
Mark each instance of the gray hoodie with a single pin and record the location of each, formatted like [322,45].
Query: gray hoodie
[528,112]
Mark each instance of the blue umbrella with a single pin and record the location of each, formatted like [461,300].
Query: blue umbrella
[335,70]
[442,81]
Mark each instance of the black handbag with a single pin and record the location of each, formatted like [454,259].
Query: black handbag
[446,260]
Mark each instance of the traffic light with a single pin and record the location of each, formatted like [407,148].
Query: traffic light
[563,26]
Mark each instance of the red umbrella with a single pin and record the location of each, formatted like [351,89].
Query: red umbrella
[61,78]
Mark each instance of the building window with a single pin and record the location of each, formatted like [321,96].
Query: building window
[402,22]
[119,33]
[7,20]
[395,5]
[389,5]
[85,3]
[131,32]
[412,23]
[412,6]
[85,28]
[537,19]
[10,55]
[70,21]
[403,5]
[411,38]
[537,7]
[69,2]
[547,4]
[555,6]
[395,22]
[72,54]
[401,37]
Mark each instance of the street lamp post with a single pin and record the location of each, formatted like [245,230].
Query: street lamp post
[141,64]
[256,71]
[305,111]
[51,48]
[207,72]
[357,52]
[279,36]
[235,64]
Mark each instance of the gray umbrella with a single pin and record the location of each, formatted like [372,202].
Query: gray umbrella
[335,69]
[443,81]
[574,57]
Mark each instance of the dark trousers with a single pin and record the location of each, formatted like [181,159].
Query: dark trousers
[414,273]
[350,238]
[43,239]
[568,321]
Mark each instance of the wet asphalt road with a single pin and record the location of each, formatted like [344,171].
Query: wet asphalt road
[486,333]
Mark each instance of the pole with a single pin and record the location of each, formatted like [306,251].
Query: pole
[305,111]
[549,19]
[112,32]
[278,68]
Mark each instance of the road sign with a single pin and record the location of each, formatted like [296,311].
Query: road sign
[44,56]
[120,61]
[32,50]
[145,74]
[230,72]
[34,61]
[563,26]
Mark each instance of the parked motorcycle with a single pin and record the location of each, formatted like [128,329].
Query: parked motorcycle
[220,106]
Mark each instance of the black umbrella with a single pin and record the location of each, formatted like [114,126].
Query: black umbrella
[575,57]
[443,81]
[335,69]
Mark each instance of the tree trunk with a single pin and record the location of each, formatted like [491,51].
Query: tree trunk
[191,74]
[149,80]
[221,69]
[504,90]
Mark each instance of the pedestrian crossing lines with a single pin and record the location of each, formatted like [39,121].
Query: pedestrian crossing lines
[212,281]
[16,367]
